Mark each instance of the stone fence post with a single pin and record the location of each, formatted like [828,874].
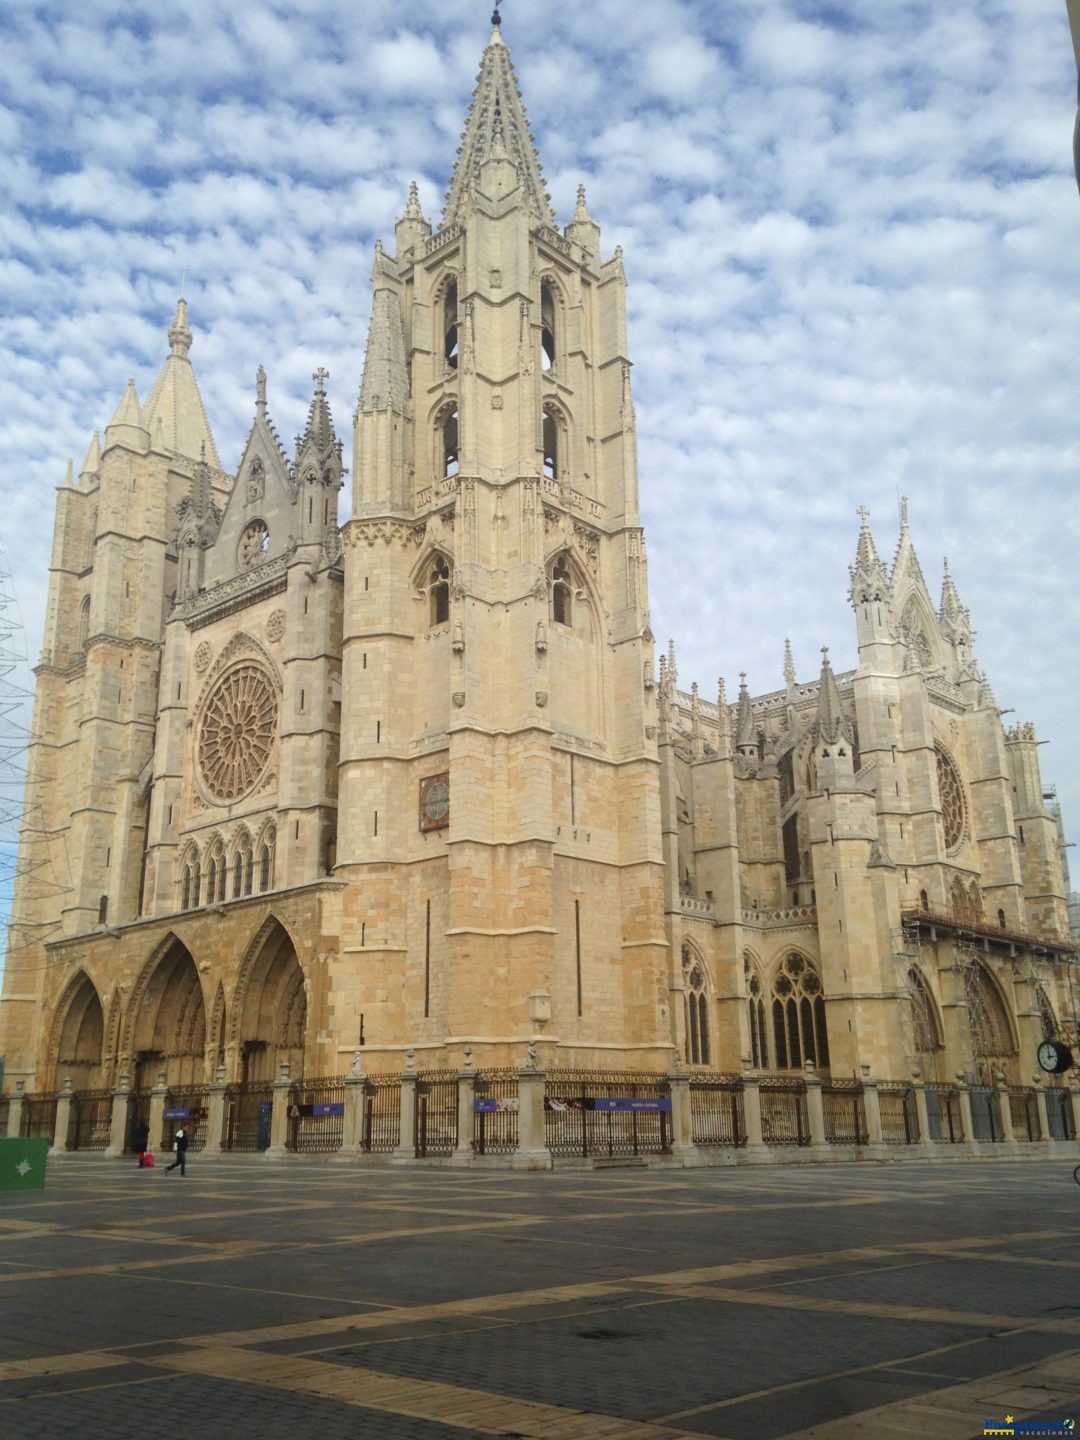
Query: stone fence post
[466,1091]
[1001,1089]
[1044,1118]
[875,1140]
[215,1113]
[406,1149]
[119,1118]
[62,1123]
[922,1113]
[815,1109]
[352,1130]
[15,1104]
[682,1119]
[279,1114]
[963,1095]
[1074,1097]
[532,1152]
[751,1087]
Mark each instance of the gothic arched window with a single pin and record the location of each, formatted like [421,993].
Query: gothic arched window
[759,1047]
[450,325]
[697,1009]
[547,326]
[242,866]
[266,859]
[953,807]
[924,1022]
[562,593]
[185,888]
[798,1008]
[1046,1014]
[216,867]
[551,444]
[438,588]
[450,441]
[84,623]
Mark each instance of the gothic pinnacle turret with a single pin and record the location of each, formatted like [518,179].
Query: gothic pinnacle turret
[174,414]
[830,714]
[496,128]
[746,740]
[869,578]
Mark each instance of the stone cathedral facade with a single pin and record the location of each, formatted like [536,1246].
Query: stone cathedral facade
[417,783]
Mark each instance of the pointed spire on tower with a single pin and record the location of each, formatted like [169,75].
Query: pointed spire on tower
[180,336]
[746,740]
[318,450]
[789,666]
[672,668]
[697,737]
[92,464]
[497,117]
[174,414]
[950,609]
[412,227]
[723,721]
[830,714]
[129,411]
[869,579]
[583,229]
[385,381]
[69,474]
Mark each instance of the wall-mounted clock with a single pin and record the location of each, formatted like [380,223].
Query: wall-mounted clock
[435,801]
[1054,1057]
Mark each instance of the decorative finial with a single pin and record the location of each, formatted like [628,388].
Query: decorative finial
[496,18]
[863,514]
[260,388]
[581,196]
[824,653]
[903,512]
[320,376]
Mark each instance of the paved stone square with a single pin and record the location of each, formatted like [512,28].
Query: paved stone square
[316,1300]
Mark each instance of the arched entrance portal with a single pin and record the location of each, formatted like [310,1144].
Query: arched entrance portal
[272,1010]
[169,1033]
[80,1029]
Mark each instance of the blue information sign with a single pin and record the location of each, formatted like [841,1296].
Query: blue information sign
[337,1107]
[628,1102]
[485,1105]
[177,1114]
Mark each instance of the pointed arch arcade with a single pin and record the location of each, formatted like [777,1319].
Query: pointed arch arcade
[77,1048]
[166,1029]
[268,1021]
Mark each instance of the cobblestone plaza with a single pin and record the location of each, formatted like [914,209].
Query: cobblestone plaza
[256,1298]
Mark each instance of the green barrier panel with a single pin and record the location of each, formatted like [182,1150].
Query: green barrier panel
[22,1164]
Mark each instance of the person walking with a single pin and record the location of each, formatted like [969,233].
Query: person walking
[180,1146]
[140,1142]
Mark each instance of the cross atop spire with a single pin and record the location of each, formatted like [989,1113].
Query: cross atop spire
[497,127]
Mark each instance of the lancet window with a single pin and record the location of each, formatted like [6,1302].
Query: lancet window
[450,325]
[798,1012]
[84,623]
[267,853]
[547,326]
[438,589]
[697,1009]
[759,1045]
[448,434]
[562,592]
[551,443]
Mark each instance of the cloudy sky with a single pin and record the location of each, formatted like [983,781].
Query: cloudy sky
[850,231]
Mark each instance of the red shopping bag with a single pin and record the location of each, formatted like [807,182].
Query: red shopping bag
[148,1159]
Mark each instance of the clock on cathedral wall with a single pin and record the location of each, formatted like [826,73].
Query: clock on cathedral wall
[435,801]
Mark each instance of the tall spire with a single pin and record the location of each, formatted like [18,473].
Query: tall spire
[789,666]
[497,128]
[830,713]
[723,721]
[869,579]
[385,380]
[951,609]
[318,450]
[174,413]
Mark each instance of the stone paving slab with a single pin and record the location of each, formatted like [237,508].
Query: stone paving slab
[271,1300]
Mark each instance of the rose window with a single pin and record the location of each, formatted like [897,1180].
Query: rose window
[254,544]
[951,790]
[237,731]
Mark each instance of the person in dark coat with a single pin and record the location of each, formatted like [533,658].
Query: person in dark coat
[180,1146]
[140,1142]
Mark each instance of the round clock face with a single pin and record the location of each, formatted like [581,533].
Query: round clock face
[434,802]
[1047,1056]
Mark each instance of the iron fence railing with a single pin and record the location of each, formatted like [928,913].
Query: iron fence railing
[436,1102]
[189,1106]
[380,1130]
[716,1109]
[495,1112]
[316,1115]
[1024,1113]
[91,1120]
[38,1117]
[943,1114]
[899,1115]
[1060,1120]
[5,1113]
[985,1116]
[844,1112]
[606,1113]
[783,1112]
[246,1120]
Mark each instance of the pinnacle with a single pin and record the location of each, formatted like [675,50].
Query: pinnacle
[92,464]
[129,411]
[830,713]
[745,731]
[320,425]
[180,336]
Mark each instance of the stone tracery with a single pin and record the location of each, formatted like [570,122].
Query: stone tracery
[237,732]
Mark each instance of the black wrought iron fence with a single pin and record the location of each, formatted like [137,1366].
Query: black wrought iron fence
[495,1112]
[38,1117]
[716,1109]
[246,1121]
[187,1106]
[985,1116]
[436,1112]
[1059,1115]
[380,1131]
[606,1113]
[316,1115]
[943,1114]
[844,1112]
[91,1120]
[783,1112]
[1024,1113]
[899,1116]
[5,1113]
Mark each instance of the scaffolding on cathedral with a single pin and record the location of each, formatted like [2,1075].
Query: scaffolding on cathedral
[979,1049]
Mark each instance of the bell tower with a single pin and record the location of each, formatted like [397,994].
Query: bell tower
[500,823]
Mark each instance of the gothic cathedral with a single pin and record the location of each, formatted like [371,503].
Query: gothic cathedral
[415,788]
